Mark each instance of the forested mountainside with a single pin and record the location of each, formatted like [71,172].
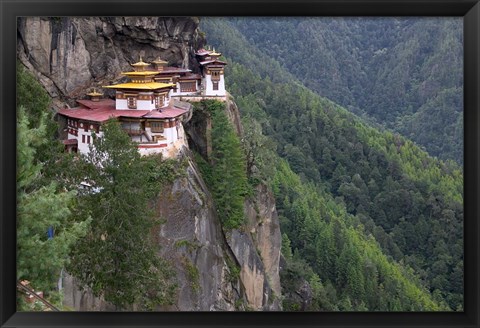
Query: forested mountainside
[149,235]
[284,200]
[403,73]
[407,202]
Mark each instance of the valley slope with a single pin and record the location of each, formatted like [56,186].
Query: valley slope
[409,203]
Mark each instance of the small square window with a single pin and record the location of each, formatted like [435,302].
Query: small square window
[156,127]
[132,102]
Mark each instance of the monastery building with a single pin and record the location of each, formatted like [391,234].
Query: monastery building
[147,106]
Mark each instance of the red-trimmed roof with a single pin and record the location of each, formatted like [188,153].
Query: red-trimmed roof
[191,77]
[168,112]
[173,70]
[95,114]
[97,104]
[202,52]
[102,114]
[216,61]
[70,142]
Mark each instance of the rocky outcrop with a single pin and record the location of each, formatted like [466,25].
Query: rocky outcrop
[216,269]
[192,239]
[257,249]
[233,114]
[70,54]
[256,246]
[81,299]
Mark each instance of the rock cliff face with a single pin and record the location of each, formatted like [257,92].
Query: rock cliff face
[216,270]
[192,239]
[70,54]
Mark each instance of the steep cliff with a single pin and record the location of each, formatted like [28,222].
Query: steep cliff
[237,270]
[70,54]
[215,269]
[256,245]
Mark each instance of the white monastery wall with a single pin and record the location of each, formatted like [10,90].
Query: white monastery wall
[209,86]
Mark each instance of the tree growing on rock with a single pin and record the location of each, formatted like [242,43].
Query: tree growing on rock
[118,257]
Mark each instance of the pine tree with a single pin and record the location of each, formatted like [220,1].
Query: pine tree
[41,207]
[228,168]
[46,230]
[118,258]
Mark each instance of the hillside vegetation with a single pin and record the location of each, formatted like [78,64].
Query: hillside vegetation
[405,74]
[395,195]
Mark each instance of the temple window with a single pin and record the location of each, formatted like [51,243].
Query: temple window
[132,102]
[187,86]
[156,126]
[159,101]
[215,75]
[215,85]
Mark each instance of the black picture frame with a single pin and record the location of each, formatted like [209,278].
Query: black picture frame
[468,9]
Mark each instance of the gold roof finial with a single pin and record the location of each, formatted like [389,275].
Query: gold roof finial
[140,66]
[94,95]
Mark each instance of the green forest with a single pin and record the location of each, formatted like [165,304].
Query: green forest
[89,226]
[355,126]
[392,207]
[390,71]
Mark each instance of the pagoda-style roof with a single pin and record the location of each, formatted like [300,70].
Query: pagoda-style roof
[140,86]
[102,113]
[69,142]
[90,104]
[202,52]
[213,61]
[140,73]
[172,70]
[206,52]
[94,93]
[140,63]
[159,61]
[214,53]
[190,77]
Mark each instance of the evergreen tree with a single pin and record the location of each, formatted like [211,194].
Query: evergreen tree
[118,258]
[40,208]
[227,170]
[46,230]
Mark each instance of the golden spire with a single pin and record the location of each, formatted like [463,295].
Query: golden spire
[140,66]
[159,63]
[94,95]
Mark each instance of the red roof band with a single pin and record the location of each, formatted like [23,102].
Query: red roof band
[102,113]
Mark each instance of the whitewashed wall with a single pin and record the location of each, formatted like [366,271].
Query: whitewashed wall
[209,86]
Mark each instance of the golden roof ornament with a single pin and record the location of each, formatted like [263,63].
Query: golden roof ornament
[214,53]
[140,65]
[159,61]
[94,95]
